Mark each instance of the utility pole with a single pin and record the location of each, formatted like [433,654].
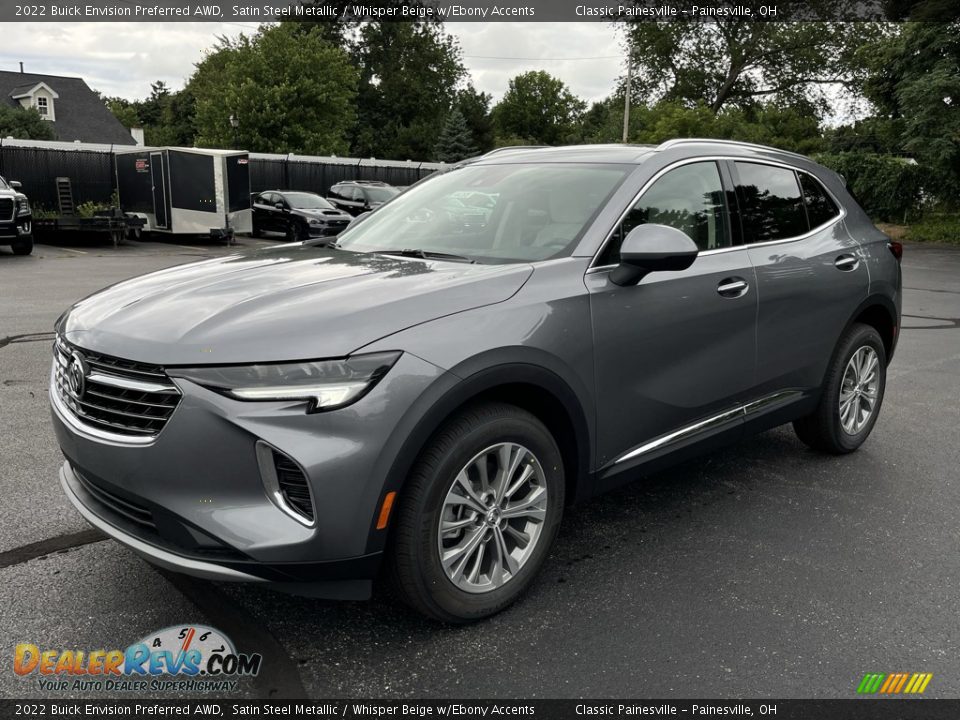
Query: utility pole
[626,95]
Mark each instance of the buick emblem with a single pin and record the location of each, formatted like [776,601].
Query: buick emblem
[77,376]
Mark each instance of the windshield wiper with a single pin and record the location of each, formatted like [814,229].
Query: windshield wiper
[424,254]
[322,242]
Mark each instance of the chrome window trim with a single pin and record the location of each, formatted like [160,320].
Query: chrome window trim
[720,158]
[743,411]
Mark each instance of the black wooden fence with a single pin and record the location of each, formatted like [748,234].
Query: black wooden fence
[90,168]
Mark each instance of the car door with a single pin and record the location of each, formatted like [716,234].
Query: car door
[675,355]
[811,275]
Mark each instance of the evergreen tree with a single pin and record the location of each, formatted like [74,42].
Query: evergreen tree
[456,141]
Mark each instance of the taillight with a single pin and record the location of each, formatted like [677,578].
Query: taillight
[897,249]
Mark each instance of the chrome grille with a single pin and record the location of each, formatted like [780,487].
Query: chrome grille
[119,397]
[6,209]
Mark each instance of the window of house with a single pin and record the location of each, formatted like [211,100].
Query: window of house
[689,198]
[42,106]
[771,205]
[820,206]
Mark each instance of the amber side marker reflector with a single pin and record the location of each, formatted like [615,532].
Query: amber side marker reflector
[385,509]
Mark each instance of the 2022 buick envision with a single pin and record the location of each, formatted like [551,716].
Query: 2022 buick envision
[425,397]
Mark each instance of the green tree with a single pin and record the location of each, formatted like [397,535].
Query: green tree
[409,73]
[456,141]
[914,83]
[539,108]
[284,93]
[737,62]
[24,124]
[475,108]
[125,111]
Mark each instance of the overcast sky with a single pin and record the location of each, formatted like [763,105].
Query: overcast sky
[124,58]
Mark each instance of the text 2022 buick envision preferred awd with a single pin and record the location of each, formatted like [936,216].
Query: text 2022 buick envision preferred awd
[425,397]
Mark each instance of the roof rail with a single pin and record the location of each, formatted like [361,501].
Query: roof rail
[512,148]
[682,141]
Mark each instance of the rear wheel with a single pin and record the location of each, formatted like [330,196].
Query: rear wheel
[478,514]
[22,246]
[256,231]
[852,394]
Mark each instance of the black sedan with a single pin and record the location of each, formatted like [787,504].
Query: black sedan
[298,215]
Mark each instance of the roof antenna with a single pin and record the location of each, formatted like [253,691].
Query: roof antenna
[21,66]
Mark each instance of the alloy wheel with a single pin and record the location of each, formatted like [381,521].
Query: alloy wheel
[859,390]
[492,517]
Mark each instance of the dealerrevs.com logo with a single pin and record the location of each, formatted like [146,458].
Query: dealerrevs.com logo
[182,658]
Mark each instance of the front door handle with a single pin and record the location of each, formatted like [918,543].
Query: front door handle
[847,262]
[732,287]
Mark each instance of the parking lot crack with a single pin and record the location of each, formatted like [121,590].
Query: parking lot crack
[26,338]
[60,543]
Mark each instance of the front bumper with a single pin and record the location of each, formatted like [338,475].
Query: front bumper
[20,227]
[325,230]
[210,514]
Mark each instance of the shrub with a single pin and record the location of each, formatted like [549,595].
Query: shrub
[939,228]
[888,187]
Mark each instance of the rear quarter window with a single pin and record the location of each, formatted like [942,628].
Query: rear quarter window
[821,208]
[771,204]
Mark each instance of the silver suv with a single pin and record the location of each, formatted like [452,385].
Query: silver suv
[422,398]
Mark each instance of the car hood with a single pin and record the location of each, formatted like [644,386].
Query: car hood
[322,214]
[293,302]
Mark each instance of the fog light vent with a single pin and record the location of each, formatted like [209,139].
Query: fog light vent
[286,483]
[293,485]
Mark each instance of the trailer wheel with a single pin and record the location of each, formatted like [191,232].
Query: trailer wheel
[134,233]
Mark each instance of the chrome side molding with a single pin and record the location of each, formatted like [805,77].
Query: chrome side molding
[753,407]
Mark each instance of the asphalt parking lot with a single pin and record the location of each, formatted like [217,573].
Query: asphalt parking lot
[765,570]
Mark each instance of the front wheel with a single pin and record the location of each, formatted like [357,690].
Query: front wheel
[297,232]
[852,394]
[478,514]
[22,246]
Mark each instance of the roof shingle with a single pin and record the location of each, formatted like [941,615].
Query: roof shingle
[81,115]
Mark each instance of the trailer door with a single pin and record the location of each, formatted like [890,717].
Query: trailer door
[158,170]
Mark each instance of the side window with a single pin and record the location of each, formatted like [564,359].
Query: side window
[771,204]
[820,206]
[689,198]
[266,198]
[337,192]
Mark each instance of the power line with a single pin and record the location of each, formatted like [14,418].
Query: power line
[540,59]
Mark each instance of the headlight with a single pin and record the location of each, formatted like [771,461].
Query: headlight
[23,206]
[325,384]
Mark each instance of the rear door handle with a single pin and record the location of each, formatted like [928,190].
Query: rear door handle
[847,262]
[732,287]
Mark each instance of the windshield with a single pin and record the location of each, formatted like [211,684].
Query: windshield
[307,201]
[381,194]
[492,213]
[3,184]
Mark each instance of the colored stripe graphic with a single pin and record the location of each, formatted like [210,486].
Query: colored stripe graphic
[894,683]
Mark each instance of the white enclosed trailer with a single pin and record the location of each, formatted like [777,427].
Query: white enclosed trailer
[186,191]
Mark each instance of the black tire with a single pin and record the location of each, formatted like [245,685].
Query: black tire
[822,429]
[256,231]
[22,246]
[414,567]
[297,232]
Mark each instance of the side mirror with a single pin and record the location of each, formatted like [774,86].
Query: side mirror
[653,248]
[278,206]
[15,184]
